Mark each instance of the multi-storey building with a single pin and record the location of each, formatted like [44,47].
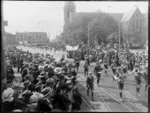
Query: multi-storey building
[32,37]
[10,38]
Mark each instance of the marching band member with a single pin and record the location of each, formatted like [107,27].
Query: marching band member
[86,68]
[90,84]
[114,70]
[137,76]
[106,60]
[97,71]
[146,77]
[121,80]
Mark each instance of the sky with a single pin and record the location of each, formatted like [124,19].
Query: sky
[47,16]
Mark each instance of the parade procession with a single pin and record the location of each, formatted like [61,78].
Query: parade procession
[96,63]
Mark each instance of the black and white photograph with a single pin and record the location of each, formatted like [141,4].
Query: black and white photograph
[74,56]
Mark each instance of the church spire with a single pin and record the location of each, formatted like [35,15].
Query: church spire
[69,9]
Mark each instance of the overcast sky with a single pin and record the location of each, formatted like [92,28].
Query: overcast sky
[47,16]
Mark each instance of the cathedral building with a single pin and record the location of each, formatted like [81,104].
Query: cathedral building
[132,23]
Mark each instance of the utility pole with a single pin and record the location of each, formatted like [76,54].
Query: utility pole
[88,40]
[119,37]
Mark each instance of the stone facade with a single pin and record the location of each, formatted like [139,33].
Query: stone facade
[10,38]
[133,26]
[32,37]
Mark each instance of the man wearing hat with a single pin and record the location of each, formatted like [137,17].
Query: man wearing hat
[33,104]
[105,61]
[8,100]
[50,83]
[90,84]
[77,99]
[146,77]
[120,79]
[77,63]
[50,71]
[42,79]
[45,104]
[86,68]
[10,72]
[137,76]
[114,70]
[28,86]
[61,82]
[97,71]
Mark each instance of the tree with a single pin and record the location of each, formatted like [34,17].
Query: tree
[102,26]
[113,38]
[99,24]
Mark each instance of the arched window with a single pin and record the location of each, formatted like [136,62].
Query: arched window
[140,23]
[134,25]
[137,27]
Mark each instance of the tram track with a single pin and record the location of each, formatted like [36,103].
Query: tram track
[107,107]
[88,104]
[114,98]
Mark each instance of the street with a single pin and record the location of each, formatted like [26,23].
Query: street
[106,97]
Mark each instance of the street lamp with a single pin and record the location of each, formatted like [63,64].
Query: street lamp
[88,39]
[119,37]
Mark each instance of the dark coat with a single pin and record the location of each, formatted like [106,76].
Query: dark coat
[44,105]
[8,106]
[10,72]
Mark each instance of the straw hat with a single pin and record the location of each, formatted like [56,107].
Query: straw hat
[34,98]
[27,83]
[46,91]
[57,70]
[17,110]
[43,73]
[8,95]
[90,72]
[50,81]
[100,61]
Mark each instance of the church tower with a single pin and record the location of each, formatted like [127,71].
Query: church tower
[69,9]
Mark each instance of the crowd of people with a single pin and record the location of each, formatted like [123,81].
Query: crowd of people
[49,85]
[121,63]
